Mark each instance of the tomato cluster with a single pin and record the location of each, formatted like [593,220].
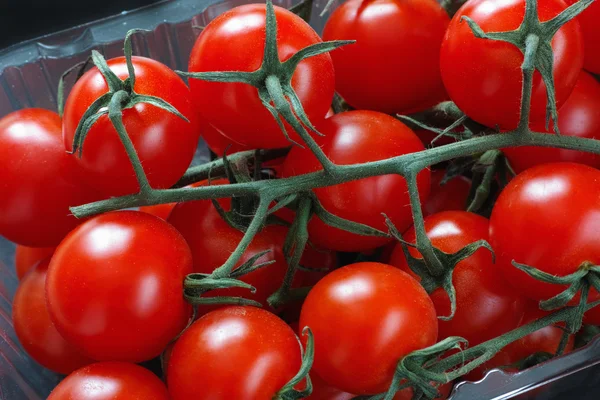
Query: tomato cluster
[99,295]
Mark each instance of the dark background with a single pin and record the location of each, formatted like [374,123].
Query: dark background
[26,19]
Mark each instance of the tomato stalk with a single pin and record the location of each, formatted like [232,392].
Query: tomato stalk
[288,392]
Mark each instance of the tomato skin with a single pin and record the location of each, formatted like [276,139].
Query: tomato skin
[38,180]
[35,330]
[578,117]
[126,270]
[451,196]
[542,219]
[156,134]
[27,257]
[369,78]
[218,143]
[484,77]
[110,381]
[366,306]
[235,108]
[233,353]
[591,36]
[486,306]
[322,391]
[161,211]
[356,137]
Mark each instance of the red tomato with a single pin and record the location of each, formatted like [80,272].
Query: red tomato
[450,196]
[164,142]
[219,143]
[356,137]
[235,108]
[160,210]
[233,353]
[365,317]
[368,77]
[484,77]
[115,286]
[578,117]
[592,317]
[591,36]
[407,394]
[27,257]
[547,218]
[38,180]
[322,391]
[35,331]
[486,306]
[110,381]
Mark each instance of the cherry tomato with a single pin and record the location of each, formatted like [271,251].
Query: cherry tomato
[365,317]
[322,391]
[237,353]
[486,306]
[218,143]
[408,393]
[578,117]
[547,218]
[115,286]
[484,77]
[235,108]
[591,36]
[356,137]
[160,210]
[35,331]
[164,142]
[450,196]
[111,381]
[27,257]
[38,180]
[592,317]
[371,78]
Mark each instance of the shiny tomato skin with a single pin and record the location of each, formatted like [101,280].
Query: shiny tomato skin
[110,381]
[219,143]
[591,36]
[484,77]
[115,286]
[164,142]
[357,137]
[35,330]
[544,218]
[451,196]
[486,305]
[365,317]
[38,180]
[242,353]
[161,211]
[368,77]
[235,108]
[578,117]
[27,257]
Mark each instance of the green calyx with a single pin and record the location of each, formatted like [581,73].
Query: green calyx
[288,392]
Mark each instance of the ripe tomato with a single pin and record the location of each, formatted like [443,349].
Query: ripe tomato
[578,117]
[322,391]
[235,108]
[365,317]
[38,180]
[160,210]
[408,393]
[547,218]
[110,381]
[591,36]
[484,77]
[164,142]
[450,196]
[356,137]
[219,143]
[27,257]
[233,353]
[368,77]
[115,286]
[478,284]
[35,331]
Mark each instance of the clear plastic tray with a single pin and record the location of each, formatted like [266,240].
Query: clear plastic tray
[29,74]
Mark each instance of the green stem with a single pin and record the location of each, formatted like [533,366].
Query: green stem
[528,67]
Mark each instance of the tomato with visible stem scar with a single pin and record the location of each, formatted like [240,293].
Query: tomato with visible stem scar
[450,196]
[358,137]
[35,330]
[164,142]
[365,317]
[27,257]
[38,180]
[486,305]
[591,36]
[484,77]
[578,117]
[241,353]
[235,109]
[371,78]
[110,381]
